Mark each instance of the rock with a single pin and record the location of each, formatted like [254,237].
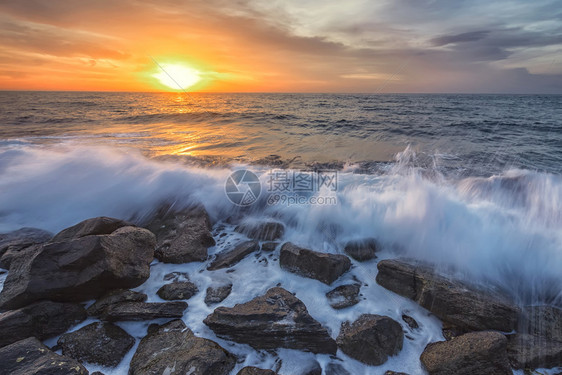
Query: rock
[320,266]
[81,268]
[176,276]
[313,368]
[275,320]
[336,369]
[530,351]
[269,246]
[41,319]
[371,339]
[173,349]
[182,236]
[90,227]
[543,321]
[227,259]
[249,370]
[217,294]
[29,356]
[113,297]
[362,250]
[411,322]
[178,290]
[344,296]
[480,353]
[133,311]
[100,343]
[16,243]
[267,231]
[394,373]
[452,301]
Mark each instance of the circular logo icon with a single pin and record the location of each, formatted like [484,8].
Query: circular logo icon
[242,187]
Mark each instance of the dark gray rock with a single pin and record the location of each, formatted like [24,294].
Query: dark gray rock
[336,369]
[113,297]
[29,356]
[544,321]
[173,349]
[452,301]
[344,296]
[250,370]
[482,353]
[363,249]
[227,259]
[80,269]
[411,322]
[100,343]
[269,246]
[134,311]
[17,243]
[394,373]
[41,319]
[267,231]
[176,276]
[178,290]
[313,368]
[275,320]
[530,351]
[90,227]
[320,266]
[217,294]
[371,339]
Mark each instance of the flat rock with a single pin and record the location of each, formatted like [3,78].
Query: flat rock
[530,351]
[113,297]
[452,301]
[264,231]
[173,349]
[41,319]
[320,266]
[217,294]
[250,370]
[482,353]
[363,249]
[101,343]
[90,227]
[227,259]
[269,246]
[14,244]
[178,290]
[29,356]
[134,311]
[371,339]
[344,296]
[275,320]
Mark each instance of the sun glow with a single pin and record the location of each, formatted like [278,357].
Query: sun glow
[177,76]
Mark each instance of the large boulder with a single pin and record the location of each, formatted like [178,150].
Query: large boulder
[344,296]
[531,351]
[173,349]
[80,268]
[135,311]
[100,343]
[263,231]
[227,259]
[276,319]
[90,227]
[178,290]
[460,304]
[183,236]
[363,249]
[114,297]
[320,266]
[29,356]
[544,321]
[371,339]
[41,319]
[482,353]
[13,244]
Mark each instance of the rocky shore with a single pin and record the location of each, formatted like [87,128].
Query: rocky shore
[67,301]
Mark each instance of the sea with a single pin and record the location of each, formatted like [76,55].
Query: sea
[469,183]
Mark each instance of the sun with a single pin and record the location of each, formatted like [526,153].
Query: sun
[177,76]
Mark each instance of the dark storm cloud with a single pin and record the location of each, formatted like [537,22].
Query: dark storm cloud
[471,36]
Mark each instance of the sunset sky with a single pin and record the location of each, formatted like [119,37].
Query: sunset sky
[284,45]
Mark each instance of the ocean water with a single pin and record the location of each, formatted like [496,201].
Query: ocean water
[471,183]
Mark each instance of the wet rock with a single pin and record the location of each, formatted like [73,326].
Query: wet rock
[313,369]
[17,243]
[452,301]
[411,322]
[79,269]
[90,227]
[394,373]
[480,353]
[269,246]
[249,370]
[29,356]
[267,231]
[275,320]
[217,294]
[113,297]
[530,351]
[100,343]
[363,249]
[320,266]
[344,296]
[172,348]
[336,369]
[134,311]
[182,236]
[178,290]
[41,319]
[227,259]
[371,339]
[176,276]
[543,321]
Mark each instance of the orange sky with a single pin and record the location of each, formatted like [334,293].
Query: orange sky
[288,46]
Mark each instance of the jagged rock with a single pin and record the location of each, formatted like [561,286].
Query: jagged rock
[452,301]
[133,311]
[90,227]
[41,319]
[269,246]
[250,370]
[113,297]
[530,351]
[543,321]
[336,369]
[101,343]
[480,353]
[216,294]
[275,320]
[268,231]
[15,244]
[320,266]
[29,356]
[182,236]
[411,322]
[173,349]
[178,290]
[227,259]
[371,339]
[344,296]
[79,269]
[362,250]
